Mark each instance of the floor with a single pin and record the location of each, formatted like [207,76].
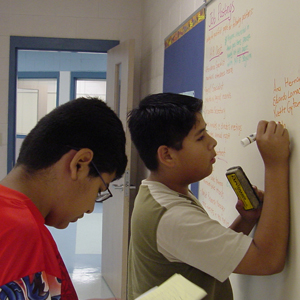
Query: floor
[80,245]
[90,284]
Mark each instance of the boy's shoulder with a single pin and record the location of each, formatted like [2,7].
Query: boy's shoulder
[20,217]
[163,195]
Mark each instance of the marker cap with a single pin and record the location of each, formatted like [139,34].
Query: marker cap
[248,140]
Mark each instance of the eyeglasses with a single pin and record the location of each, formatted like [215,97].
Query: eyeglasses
[107,193]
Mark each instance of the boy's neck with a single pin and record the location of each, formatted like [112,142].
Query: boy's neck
[34,187]
[170,182]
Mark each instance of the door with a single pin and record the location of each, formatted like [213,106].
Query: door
[115,236]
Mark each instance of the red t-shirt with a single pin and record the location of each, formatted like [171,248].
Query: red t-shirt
[30,262]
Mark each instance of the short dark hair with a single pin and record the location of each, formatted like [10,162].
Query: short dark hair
[80,123]
[162,119]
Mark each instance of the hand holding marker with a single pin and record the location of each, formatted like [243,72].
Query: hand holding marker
[250,139]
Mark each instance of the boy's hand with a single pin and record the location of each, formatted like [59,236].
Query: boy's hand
[247,218]
[250,216]
[273,142]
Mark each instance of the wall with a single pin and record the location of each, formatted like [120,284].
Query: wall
[92,19]
[252,73]
[147,21]
[160,18]
[278,25]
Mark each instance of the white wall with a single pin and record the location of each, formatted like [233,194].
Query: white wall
[160,19]
[88,19]
[149,22]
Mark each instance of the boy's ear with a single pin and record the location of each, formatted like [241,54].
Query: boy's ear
[79,164]
[165,156]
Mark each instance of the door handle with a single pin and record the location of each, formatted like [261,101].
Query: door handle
[118,186]
[121,187]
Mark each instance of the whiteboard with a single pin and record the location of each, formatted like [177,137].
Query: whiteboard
[252,72]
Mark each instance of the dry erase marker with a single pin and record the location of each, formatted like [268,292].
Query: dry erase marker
[243,188]
[249,139]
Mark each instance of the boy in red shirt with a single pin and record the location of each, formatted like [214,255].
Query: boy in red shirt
[65,162]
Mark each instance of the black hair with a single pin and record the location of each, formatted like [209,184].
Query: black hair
[80,123]
[162,119]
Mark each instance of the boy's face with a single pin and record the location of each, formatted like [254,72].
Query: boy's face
[78,200]
[197,155]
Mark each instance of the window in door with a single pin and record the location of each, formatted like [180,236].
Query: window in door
[91,88]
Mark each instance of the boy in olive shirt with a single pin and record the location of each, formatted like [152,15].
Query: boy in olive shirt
[171,231]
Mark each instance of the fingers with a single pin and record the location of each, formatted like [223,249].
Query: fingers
[272,132]
[239,205]
[273,142]
[272,127]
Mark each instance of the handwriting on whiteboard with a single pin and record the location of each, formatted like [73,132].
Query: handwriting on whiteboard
[286,96]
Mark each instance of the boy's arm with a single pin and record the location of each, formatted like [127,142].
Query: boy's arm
[267,252]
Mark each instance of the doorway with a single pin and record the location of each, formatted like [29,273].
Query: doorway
[42,44]
[86,252]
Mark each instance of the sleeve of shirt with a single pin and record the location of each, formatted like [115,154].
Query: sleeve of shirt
[186,234]
[38,286]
